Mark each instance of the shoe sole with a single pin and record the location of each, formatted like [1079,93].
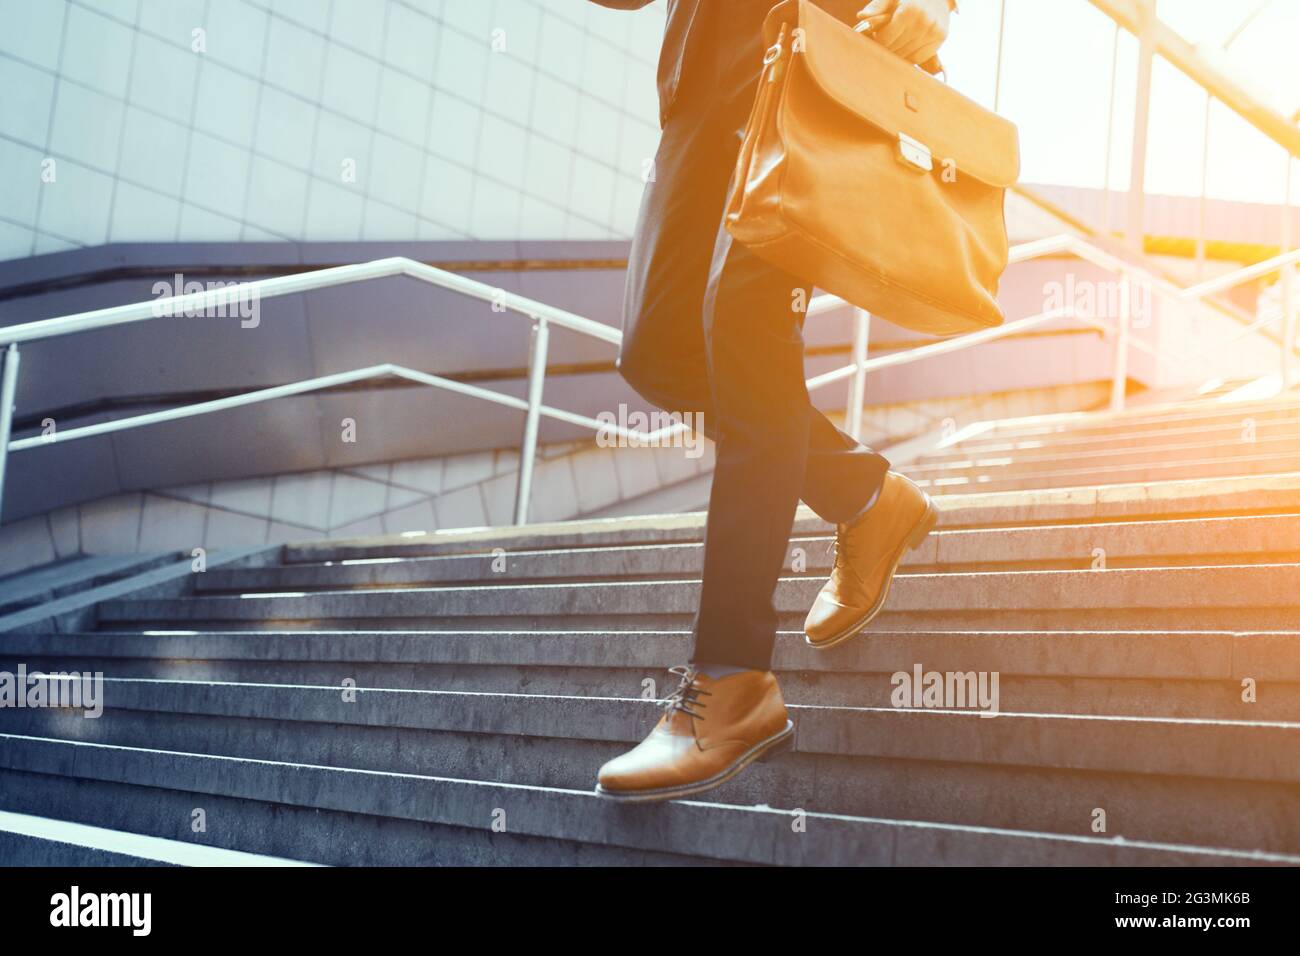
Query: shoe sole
[913,541]
[778,743]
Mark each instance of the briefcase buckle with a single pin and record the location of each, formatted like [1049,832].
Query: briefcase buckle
[914,153]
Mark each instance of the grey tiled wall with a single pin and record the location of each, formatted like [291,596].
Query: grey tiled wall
[484,119]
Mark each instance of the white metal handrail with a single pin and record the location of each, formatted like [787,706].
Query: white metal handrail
[305,282]
[319,384]
[1082,249]
[543,315]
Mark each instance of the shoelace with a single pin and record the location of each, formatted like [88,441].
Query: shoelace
[687,695]
[840,546]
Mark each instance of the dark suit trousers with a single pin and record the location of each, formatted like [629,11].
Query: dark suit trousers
[712,329]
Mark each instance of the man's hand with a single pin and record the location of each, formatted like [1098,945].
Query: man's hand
[914,29]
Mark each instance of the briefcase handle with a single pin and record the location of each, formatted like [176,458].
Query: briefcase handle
[933,66]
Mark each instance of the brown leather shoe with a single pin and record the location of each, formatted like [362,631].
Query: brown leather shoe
[711,731]
[867,553]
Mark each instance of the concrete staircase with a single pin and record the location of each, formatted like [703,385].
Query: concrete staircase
[448,698]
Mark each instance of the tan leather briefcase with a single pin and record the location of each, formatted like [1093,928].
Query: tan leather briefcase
[872,179]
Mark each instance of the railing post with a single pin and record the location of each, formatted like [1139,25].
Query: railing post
[528,449]
[997,70]
[1134,229]
[1288,284]
[1288,324]
[8,388]
[858,389]
[1202,225]
[1106,191]
[1123,322]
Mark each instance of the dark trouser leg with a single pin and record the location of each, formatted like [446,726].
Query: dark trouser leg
[772,448]
[737,359]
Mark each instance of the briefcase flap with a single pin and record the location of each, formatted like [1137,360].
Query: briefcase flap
[897,98]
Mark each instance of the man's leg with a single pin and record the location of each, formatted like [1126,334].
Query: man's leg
[728,710]
[737,358]
[755,351]
[773,447]
[765,447]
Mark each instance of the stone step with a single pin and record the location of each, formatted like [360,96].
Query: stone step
[1177,674]
[1242,749]
[1049,460]
[75,610]
[1186,655]
[1087,477]
[1191,655]
[1243,495]
[1175,591]
[1126,543]
[62,578]
[1247,814]
[1214,698]
[350,805]
[1206,414]
[1067,445]
[27,840]
[330,837]
[640,529]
